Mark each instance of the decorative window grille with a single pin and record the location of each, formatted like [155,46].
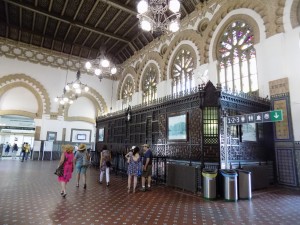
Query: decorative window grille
[127,92]
[182,71]
[210,125]
[237,58]
[149,84]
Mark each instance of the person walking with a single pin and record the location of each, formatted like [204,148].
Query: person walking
[133,167]
[66,158]
[147,167]
[81,160]
[105,164]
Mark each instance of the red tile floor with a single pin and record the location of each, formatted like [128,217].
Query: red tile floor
[30,194]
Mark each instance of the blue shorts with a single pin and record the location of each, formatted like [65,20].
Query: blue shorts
[80,168]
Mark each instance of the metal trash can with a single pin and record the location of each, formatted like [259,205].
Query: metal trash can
[244,184]
[230,185]
[209,183]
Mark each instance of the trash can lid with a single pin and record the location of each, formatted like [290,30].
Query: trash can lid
[209,175]
[229,173]
[243,171]
[206,170]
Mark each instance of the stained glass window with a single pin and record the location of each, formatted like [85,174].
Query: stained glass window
[149,84]
[127,91]
[237,58]
[182,71]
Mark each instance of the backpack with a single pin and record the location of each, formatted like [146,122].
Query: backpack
[86,159]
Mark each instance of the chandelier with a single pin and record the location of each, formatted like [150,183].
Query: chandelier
[101,67]
[72,90]
[64,99]
[159,15]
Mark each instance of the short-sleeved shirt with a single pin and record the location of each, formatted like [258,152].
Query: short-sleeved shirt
[79,157]
[148,154]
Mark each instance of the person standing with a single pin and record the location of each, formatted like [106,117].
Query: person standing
[14,150]
[67,157]
[7,148]
[147,167]
[25,150]
[133,167]
[105,164]
[80,162]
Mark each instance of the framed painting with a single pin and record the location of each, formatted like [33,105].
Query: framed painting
[101,134]
[81,137]
[177,127]
[51,136]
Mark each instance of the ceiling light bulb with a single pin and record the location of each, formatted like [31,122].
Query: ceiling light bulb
[66,99]
[174,26]
[86,89]
[105,63]
[146,25]
[56,99]
[142,6]
[67,88]
[78,91]
[76,85]
[174,6]
[113,70]
[62,102]
[88,65]
[97,72]
[71,102]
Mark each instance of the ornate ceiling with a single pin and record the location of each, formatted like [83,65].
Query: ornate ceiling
[80,28]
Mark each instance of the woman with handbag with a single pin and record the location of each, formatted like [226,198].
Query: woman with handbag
[66,164]
[81,161]
[134,167]
[105,164]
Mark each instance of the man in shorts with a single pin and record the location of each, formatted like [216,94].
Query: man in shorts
[147,167]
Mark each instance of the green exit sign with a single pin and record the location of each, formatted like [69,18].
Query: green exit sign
[276,115]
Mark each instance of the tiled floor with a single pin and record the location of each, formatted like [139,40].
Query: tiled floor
[30,195]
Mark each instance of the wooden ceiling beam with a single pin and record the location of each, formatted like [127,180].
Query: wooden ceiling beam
[91,12]
[50,6]
[78,9]
[64,8]
[32,27]
[122,7]
[20,24]
[73,23]
[7,19]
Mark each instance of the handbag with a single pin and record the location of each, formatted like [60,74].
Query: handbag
[86,160]
[60,170]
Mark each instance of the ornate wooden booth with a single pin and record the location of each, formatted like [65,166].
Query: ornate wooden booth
[188,127]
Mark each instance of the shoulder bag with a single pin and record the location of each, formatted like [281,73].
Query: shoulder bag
[60,170]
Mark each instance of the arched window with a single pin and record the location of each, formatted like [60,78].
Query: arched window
[149,83]
[127,91]
[237,58]
[182,70]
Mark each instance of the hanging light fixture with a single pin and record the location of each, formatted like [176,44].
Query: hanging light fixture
[101,67]
[76,86]
[159,15]
[64,99]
